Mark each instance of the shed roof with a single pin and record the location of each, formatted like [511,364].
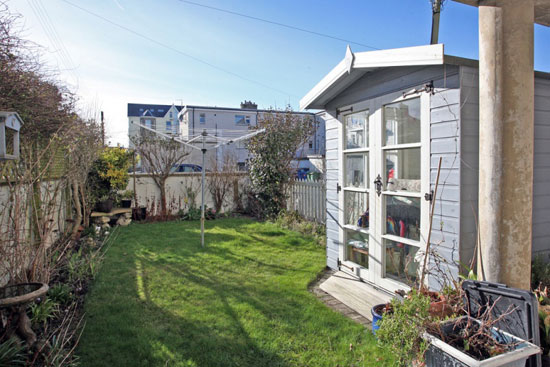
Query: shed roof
[355,65]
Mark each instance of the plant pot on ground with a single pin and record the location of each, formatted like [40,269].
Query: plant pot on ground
[466,341]
[377,313]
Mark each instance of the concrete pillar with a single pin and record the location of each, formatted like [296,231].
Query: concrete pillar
[506,139]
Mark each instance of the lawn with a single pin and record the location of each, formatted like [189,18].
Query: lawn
[162,300]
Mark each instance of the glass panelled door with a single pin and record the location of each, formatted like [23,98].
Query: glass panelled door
[384,211]
[355,147]
[401,197]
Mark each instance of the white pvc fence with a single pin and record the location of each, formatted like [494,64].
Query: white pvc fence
[308,198]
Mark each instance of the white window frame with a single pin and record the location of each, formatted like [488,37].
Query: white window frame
[376,272]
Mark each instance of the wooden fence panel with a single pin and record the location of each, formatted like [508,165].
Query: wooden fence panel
[308,198]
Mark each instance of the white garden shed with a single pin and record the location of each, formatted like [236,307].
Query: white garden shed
[390,116]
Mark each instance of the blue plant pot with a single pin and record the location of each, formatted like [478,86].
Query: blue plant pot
[376,312]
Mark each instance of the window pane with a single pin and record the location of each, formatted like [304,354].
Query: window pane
[356,208]
[357,130]
[357,248]
[401,262]
[403,169]
[402,121]
[356,164]
[240,120]
[403,217]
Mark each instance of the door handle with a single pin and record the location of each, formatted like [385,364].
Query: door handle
[429,196]
[378,185]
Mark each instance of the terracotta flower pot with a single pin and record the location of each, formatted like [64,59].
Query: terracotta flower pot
[439,305]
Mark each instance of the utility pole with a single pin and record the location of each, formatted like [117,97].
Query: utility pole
[102,130]
[436,11]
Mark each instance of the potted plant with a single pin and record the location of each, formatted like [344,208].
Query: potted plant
[377,313]
[108,175]
[104,204]
[401,330]
[466,341]
[439,304]
[126,199]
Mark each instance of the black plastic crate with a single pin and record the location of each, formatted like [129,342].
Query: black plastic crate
[523,322]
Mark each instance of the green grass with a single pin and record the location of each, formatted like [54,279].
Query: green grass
[162,300]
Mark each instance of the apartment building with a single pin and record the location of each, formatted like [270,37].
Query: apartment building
[223,122]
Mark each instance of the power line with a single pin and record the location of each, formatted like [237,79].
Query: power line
[159,43]
[51,33]
[277,23]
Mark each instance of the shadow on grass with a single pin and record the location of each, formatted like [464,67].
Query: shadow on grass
[162,300]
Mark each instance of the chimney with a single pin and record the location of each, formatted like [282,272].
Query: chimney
[249,105]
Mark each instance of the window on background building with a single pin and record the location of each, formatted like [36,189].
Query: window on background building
[241,166]
[240,120]
[310,145]
[171,114]
[169,126]
[248,120]
[149,122]
[202,118]
[161,110]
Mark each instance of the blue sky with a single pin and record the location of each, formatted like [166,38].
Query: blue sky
[112,67]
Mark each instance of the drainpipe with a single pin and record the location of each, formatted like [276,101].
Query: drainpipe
[193,134]
[506,140]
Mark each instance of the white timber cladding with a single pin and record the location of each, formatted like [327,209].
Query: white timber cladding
[541,179]
[469,129]
[332,179]
[469,160]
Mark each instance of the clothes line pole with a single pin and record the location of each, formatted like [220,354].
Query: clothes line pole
[202,185]
[203,135]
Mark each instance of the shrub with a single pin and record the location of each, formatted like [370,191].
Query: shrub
[540,272]
[272,153]
[401,331]
[109,173]
[295,222]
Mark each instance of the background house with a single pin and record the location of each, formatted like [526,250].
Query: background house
[391,115]
[163,118]
[225,122]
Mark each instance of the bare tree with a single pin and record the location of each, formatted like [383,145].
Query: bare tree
[38,185]
[159,155]
[221,179]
